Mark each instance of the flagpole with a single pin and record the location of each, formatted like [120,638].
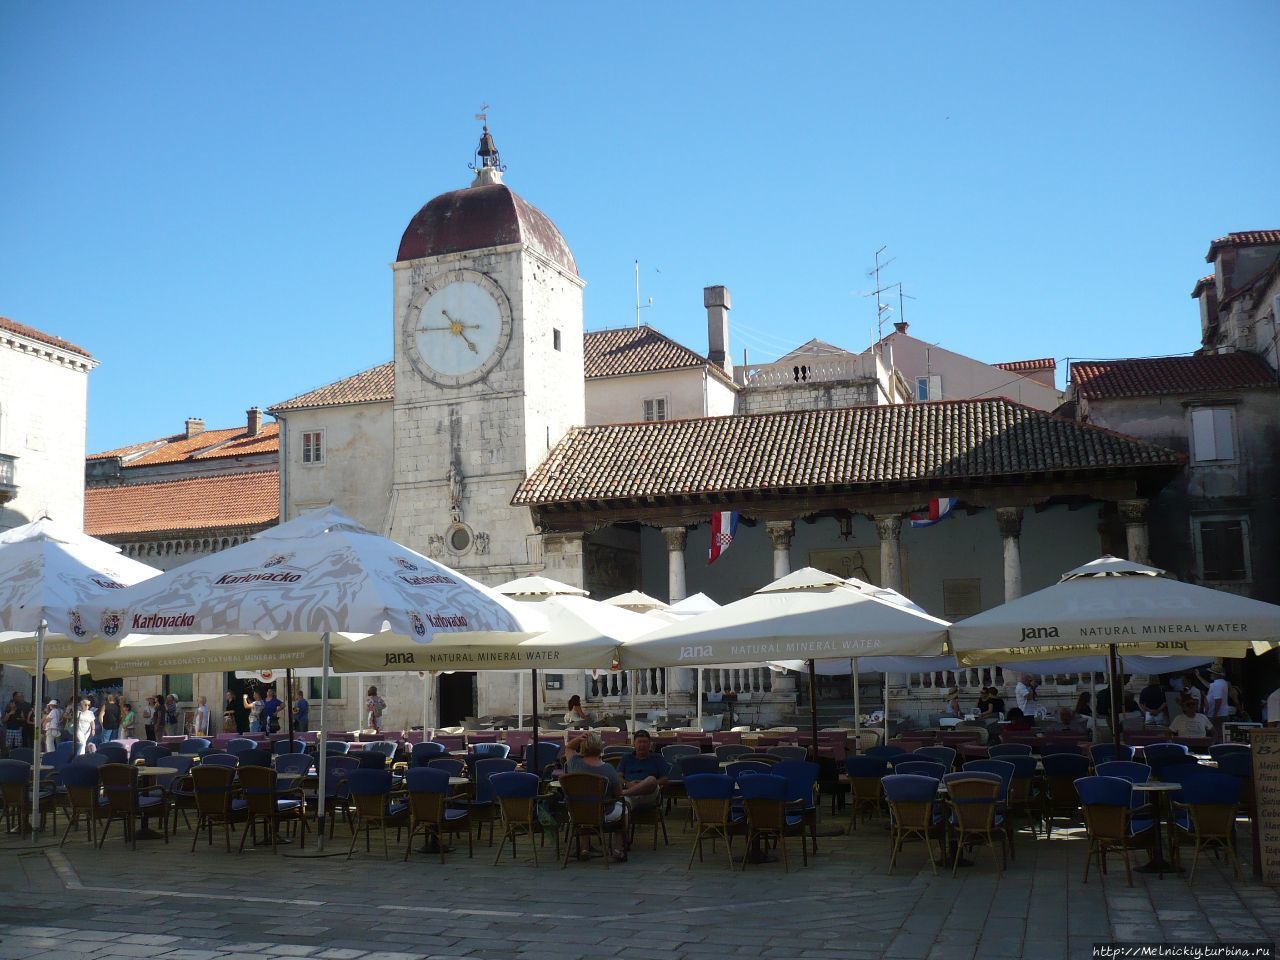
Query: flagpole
[323,765]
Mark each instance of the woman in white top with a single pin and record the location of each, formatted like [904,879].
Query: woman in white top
[574,712]
[202,718]
[373,707]
[85,720]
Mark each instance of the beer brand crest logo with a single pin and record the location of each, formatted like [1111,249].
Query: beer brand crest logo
[406,564]
[419,627]
[278,559]
[77,627]
[110,623]
[107,584]
[266,675]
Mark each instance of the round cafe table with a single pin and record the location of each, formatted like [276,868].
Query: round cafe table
[1157,864]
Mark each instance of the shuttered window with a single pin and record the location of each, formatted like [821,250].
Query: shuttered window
[1222,550]
[655,408]
[1212,434]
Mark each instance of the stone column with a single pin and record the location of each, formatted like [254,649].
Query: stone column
[889,527]
[676,538]
[1137,537]
[1009,520]
[780,533]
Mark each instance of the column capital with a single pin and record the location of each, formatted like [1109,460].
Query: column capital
[1009,520]
[676,538]
[889,525]
[780,533]
[1134,511]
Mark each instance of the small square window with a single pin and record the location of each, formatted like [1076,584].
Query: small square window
[313,447]
[555,337]
[314,686]
[922,388]
[655,408]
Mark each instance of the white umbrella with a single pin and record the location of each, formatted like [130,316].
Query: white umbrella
[46,571]
[807,614]
[1116,607]
[318,575]
[574,620]
[693,606]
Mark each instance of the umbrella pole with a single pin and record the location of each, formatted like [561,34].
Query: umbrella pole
[698,694]
[426,693]
[813,707]
[288,707]
[37,734]
[74,700]
[857,703]
[886,706]
[323,765]
[1116,695]
[519,703]
[631,685]
[535,728]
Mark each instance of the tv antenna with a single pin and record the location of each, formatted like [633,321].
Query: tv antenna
[640,306]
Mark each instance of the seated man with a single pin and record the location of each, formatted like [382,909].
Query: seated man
[643,772]
[1191,722]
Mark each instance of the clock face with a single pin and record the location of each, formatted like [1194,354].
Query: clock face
[457,328]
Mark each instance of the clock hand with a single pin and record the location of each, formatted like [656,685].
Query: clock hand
[458,325]
[470,346]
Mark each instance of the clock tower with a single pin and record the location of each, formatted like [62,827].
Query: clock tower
[488,375]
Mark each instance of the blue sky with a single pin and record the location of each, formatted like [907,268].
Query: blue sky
[207,197]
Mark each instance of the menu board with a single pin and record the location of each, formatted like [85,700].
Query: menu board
[1266,790]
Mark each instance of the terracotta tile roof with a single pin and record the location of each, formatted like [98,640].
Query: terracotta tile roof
[616,353]
[1027,366]
[31,333]
[368,386]
[1110,379]
[177,506]
[206,445]
[1203,282]
[1243,238]
[921,443]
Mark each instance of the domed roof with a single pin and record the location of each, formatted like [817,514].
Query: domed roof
[483,215]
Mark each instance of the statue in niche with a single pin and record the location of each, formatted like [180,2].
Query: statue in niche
[454,481]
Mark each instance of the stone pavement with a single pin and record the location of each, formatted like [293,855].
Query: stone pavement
[166,903]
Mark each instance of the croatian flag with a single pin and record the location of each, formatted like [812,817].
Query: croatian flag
[724,526]
[937,510]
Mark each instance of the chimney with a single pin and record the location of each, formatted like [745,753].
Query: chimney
[255,421]
[195,426]
[716,300]
[901,326]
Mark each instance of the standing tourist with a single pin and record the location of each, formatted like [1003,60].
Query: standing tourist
[109,719]
[15,719]
[127,721]
[84,726]
[1025,693]
[271,712]
[52,726]
[171,715]
[149,718]
[374,705]
[1217,703]
[255,711]
[301,712]
[200,726]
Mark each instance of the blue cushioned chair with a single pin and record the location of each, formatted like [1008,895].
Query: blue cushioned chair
[765,801]
[114,752]
[422,752]
[194,746]
[1105,752]
[920,768]
[452,766]
[1001,750]
[885,752]
[714,815]
[539,758]
[239,745]
[83,799]
[1205,815]
[943,755]
[1061,771]
[1107,804]
[1219,750]
[340,747]
[699,763]
[1161,756]
[865,794]
[802,779]
[913,814]
[517,794]
[257,757]
[287,746]
[673,750]
[228,760]
[739,768]
[370,792]
[428,791]
[974,795]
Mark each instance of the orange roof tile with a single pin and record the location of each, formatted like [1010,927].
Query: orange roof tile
[368,386]
[1110,379]
[178,506]
[31,333]
[1026,366]
[206,445]
[1243,238]
[614,353]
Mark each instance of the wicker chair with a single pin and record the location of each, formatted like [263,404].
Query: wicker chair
[974,797]
[263,802]
[711,798]
[913,813]
[428,811]
[517,795]
[212,787]
[586,798]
